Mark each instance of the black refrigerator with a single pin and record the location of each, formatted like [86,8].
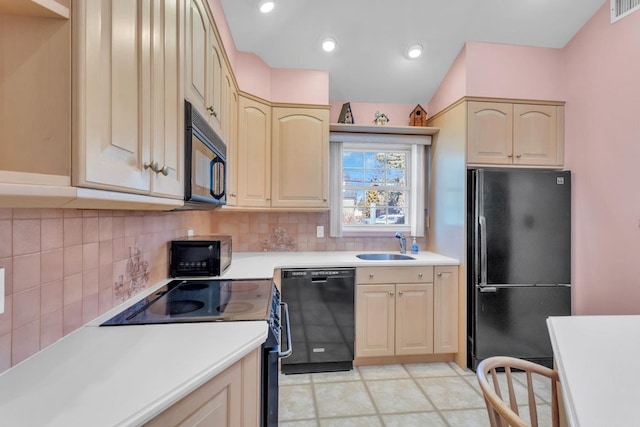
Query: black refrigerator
[519,261]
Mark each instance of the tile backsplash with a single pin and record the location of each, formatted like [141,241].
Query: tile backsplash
[64,268]
[289,231]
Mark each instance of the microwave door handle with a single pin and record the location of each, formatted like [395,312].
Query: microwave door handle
[212,190]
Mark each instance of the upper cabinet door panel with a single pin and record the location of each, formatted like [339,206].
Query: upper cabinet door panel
[535,139]
[490,133]
[107,120]
[300,157]
[214,96]
[166,98]
[254,154]
[196,54]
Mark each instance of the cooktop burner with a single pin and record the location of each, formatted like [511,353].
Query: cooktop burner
[201,301]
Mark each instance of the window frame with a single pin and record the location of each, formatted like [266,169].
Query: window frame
[417,167]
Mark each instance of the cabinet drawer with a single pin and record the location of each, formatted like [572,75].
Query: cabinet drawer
[369,275]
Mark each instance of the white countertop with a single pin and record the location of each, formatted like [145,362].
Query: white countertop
[124,376]
[597,360]
[261,264]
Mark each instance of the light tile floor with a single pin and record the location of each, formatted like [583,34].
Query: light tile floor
[425,394]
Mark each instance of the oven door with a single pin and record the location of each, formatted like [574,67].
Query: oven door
[208,170]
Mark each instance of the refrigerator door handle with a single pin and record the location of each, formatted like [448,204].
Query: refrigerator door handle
[482,221]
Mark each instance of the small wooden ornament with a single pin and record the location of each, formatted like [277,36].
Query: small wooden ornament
[418,117]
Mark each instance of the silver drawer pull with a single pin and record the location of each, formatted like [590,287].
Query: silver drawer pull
[399,292]
[370,275]
[391,293]
[439,274]
[420,275]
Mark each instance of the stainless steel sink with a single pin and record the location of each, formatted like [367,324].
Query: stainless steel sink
[384,257]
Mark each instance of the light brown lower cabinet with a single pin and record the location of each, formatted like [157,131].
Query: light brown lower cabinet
[230,399]
[400,319]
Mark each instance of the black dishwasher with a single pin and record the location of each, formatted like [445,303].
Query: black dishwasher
[321,310]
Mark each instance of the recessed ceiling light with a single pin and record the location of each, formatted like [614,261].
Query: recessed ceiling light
[414,51]
[266,6]
[329,44]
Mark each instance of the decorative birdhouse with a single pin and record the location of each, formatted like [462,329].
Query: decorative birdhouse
[418,116]
[346,116]
[381,119]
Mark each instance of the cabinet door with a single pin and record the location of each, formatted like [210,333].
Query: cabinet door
[107,121]
[536,135]
[217,403]
[254,153]
[414,319]
[214,83]
[490,133]
[300,166]
[164,103]
[375,320]
[230,132]
[196,51]
[446,309]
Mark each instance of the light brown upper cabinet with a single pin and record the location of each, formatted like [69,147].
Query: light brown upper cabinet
[253,162]
[204,65]
[505,133]
[300,157]
[282,156]
[127,118]
[230,101]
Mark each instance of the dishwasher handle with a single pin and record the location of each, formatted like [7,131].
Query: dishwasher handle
[287,326]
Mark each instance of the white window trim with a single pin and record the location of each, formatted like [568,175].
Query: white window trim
[417,172]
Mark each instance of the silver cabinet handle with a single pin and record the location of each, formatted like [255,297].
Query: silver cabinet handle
[439,274]
[420,275]
[232,194]
[509,155]
[370,275]
[519,155]
[151,165]
[391,293]
[287,323]
[164,171]
[399,292]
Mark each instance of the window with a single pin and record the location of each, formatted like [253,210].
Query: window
[375,190]
[377,187]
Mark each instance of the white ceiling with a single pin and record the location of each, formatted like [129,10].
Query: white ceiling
[369,63]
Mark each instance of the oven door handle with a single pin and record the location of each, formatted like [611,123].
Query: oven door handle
[287,325]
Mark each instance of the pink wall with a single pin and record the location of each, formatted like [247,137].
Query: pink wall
[364,113]
[453,86]
[299,86]
[253,75]
[602,65]
[500,70]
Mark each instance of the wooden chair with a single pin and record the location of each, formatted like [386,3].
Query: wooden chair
[503,413]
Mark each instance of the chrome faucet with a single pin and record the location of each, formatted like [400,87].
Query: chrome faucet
[403,242]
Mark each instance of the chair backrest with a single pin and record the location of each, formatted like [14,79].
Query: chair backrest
[503,412]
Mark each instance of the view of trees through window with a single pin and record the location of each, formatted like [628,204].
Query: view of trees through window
[375,187]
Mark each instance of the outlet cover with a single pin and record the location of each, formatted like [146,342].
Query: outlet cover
[190,232]
[320,231]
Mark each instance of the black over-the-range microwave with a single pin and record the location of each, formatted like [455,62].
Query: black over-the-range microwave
[200,256]
[205,160]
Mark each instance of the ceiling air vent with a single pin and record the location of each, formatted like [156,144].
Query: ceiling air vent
[622,8]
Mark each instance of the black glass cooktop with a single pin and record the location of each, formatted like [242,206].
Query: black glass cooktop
[201,301]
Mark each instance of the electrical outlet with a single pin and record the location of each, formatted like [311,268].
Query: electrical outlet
[190,232]
[320,231]
[1,290]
